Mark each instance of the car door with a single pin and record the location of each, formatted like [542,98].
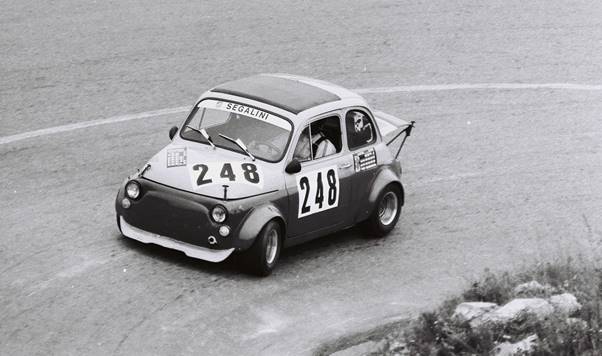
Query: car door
[320,194]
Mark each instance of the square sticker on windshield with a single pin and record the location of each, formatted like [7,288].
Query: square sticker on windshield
[176,157]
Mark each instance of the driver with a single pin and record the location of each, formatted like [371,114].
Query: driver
[269,149]
[321,145]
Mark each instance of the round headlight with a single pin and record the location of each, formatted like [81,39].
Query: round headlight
[132,189]
[219,214]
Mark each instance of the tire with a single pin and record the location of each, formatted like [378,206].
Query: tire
[261,258]
[386,212]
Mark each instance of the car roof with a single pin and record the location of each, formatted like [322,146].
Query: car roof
[288,92]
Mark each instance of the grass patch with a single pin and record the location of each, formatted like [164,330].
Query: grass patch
[436,333]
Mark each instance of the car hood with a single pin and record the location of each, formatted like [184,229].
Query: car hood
[217,173]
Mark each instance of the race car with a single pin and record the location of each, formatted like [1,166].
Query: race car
[266,162]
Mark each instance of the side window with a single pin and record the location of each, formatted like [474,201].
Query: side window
[325,137]
[320,139]
[303,148]
[360,129]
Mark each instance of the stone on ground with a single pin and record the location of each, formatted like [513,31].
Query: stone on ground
[516,310]
[470,310]
[524,347]
[565,304]
[577,323]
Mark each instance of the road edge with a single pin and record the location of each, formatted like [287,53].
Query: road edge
[350,340]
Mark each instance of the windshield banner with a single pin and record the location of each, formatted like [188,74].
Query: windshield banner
[247,111]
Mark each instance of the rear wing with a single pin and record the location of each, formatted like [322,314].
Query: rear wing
[391,128]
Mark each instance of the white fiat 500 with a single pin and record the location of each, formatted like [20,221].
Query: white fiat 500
[263,163]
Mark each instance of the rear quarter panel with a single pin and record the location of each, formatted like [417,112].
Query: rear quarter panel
[387,171]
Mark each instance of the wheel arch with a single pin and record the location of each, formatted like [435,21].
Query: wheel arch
[383,179]
[255,221]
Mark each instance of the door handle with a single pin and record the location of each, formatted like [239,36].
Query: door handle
[345,165]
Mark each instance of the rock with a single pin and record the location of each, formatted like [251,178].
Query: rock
[470,310]
[516,310]
[524,347]
[577,323]
[532,289]
[565,304]
[364,348]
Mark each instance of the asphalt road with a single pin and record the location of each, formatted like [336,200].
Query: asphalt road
[495,179]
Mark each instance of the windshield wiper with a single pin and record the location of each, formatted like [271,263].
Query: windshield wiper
[240,144]
[204,133]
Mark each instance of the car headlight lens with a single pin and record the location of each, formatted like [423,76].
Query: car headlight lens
[132,189]
[219,214]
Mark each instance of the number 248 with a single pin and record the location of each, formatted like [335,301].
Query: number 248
[319,198]
[249,172]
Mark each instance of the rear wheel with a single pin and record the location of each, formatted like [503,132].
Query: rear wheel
[386,212]
[263,255]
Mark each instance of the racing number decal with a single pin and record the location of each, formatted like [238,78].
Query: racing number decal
[303,187]
[201,178]
[224,173]
[250,172]
[333,189]
[318,191]
[227,172]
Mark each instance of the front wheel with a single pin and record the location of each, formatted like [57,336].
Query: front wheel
[263,255]
[386,212]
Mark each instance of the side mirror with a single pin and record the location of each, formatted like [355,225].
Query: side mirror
[172,132]
[293,167]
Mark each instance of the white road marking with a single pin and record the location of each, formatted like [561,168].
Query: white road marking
[84,124]
[377,90]
[69,272]
[450,177]
[479,86]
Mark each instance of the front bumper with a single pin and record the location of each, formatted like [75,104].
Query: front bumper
[183,216]
[190,250]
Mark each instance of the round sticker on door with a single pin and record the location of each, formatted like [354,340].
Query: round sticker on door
[209,173]
[318,191]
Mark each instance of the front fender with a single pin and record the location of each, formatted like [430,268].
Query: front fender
[387,175]
[254,222]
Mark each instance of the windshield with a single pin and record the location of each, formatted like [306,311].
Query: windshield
[264,134]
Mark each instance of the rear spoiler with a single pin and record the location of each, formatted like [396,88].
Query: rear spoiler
[392,127]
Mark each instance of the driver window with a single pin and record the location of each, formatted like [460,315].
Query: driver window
[303,148]
[360,130]
[321,138]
